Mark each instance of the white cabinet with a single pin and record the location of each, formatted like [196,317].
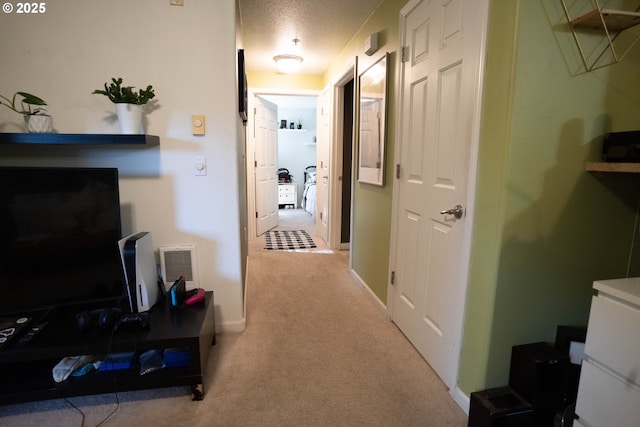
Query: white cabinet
[288,194]
[609,390]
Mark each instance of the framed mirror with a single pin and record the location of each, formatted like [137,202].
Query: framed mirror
[372,101]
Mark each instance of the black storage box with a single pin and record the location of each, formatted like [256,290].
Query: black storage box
[538,373]
[499,407]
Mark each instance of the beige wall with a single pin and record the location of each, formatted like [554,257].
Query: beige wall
[188,54]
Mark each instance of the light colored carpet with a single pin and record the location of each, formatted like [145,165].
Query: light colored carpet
[316,352]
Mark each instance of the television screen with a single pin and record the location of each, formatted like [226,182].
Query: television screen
[59,229]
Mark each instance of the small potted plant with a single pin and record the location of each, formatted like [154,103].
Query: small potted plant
[129,103]
[300,121]
[35,117]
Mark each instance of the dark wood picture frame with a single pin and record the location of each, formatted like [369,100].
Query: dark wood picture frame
[242,86]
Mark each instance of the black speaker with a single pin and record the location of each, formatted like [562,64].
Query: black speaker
[538,373]
[499,407]
[621,147]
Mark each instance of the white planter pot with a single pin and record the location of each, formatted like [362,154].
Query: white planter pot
[37,123]
[129,118]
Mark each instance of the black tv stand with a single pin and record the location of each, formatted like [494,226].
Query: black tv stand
[26,371]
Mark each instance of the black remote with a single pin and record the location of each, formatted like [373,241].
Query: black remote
[30,334]
[139,320]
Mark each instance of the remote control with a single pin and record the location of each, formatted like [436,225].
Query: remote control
[31,333]
[139,320]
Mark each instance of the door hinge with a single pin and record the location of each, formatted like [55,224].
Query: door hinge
[256,215]
[393,277]
[405,54]
[255,163]
[398,171]
[255,111]
[320,215]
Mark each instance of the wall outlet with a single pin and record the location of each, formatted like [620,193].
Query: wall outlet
[176,2]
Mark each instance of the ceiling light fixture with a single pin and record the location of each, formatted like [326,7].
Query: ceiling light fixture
[289,63]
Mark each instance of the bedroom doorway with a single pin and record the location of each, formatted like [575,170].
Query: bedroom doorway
[296,159]
[296,152]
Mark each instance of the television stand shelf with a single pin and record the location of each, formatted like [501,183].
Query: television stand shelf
[26,372]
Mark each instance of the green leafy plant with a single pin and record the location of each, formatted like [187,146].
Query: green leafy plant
[26,104]
[119,94]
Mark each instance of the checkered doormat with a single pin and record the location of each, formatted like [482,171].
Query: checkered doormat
[288,240]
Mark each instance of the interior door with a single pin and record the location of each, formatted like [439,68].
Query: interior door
[439,83]
[323,155]
[266,164]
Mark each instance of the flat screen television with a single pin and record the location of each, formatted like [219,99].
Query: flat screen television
[59,232]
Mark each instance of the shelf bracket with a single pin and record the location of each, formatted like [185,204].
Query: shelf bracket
[611,22]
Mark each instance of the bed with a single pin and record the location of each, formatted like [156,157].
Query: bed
[309,192]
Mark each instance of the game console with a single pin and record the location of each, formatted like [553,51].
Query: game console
[178,293]
[140,270]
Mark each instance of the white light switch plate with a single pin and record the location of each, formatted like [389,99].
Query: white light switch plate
[200,166]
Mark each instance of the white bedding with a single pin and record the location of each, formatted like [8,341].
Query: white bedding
[309,198]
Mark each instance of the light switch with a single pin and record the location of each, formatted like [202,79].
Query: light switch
[200,166]
[197,124]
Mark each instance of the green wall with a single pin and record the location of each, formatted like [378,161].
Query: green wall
[544,228]
[372,205]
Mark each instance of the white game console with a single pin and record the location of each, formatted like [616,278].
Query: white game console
[140,270]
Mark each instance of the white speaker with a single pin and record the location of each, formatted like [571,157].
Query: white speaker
[176,261]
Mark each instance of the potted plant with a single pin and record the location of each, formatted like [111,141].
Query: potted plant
[300,121]
[129,103]
[35,118]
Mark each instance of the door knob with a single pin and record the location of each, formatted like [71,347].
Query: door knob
[456,211]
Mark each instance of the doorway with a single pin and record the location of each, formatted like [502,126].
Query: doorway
[340,160]
[255,148]
[296,159]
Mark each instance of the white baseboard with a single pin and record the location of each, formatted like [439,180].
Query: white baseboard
[232,327]
[369,293]
[461,399]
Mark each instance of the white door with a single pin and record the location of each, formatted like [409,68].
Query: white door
[322,166]
[438,118]
[266,164]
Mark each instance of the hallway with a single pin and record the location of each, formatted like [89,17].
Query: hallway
[321,352]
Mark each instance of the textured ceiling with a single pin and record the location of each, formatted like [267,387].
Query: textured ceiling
[323,27]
